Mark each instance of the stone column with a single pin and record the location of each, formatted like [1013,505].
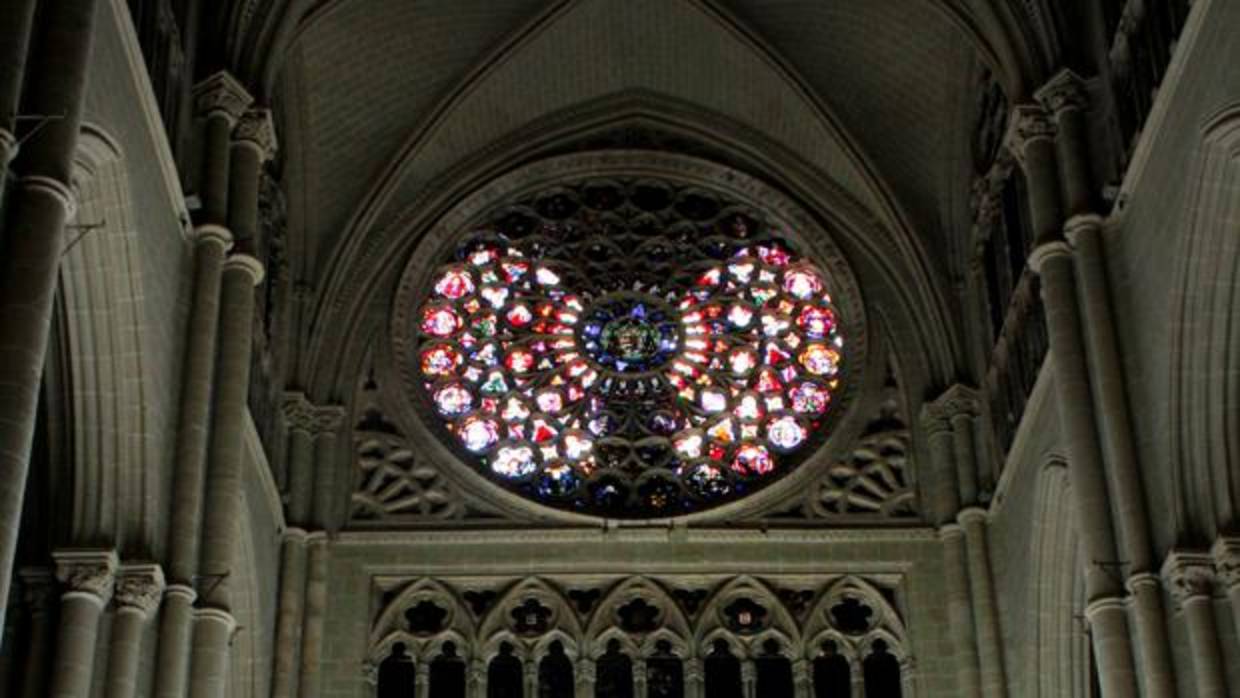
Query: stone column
[221,100]
[213,632]
[288,622]
[960,611]
[749,678]
[1226,552]
[315,608]
[39,586]
[640,679]
[299,417]
[1190,579]
[694,679]
[254,142]
[14,44]
[985,610]
[87,577]
[32,245]
[586,677]
[1066,99]
[327,423]
[801,679]
[478,679]
[944,506]
[138,590]
[531,678]
[422,680]
[1031,140]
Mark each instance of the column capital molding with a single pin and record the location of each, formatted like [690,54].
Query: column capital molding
[1102,605]
[959,400]
[296,533]
[140,587]
[587,672]
[88,573]
[222,94]
[1226,554]
[1028,124]
[257,129]
[186,591]
[247,263]
[1081,224]
[213,234]
[1189,575]
[370,672]
[1064,91]
[217,615]
[693,669]
[1048,251]
[951,530]
[38,588]
[1141,580]
[301,414]
[63,193]
[972,513]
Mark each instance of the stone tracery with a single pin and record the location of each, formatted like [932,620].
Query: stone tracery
[630,347]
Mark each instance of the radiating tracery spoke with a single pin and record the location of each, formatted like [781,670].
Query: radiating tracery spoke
[635,396]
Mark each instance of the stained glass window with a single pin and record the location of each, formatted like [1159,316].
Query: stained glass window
[630,349]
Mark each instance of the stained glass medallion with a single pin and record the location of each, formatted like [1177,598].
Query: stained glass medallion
[629,349]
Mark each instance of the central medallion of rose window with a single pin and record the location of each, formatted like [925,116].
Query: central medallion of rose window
[630,334]
[617,360]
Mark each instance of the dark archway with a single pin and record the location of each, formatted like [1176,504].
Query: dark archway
[448,674]
[774,672]
[832,675]
[882,673]
[505,675]
[555,673]
[665,673]
[723,672]
[614,673]
[396,674]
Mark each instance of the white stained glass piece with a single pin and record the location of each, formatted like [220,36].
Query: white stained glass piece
[513,461]
[785,433]
[479,434]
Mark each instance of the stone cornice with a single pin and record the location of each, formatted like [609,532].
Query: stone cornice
[223,94]
[1226,554]
[1066,90]
[140,587]
[1029,124]
[1189,575]
[90,573]
[256,128]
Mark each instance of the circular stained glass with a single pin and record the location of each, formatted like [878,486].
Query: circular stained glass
[630,349]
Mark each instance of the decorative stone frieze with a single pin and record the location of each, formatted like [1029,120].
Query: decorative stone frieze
[1064,91]
[1029,123]
[139,587]
[257,128]
[86,572]
[1189,576]
[222,93]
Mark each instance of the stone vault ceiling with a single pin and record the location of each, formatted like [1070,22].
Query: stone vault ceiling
[380,100]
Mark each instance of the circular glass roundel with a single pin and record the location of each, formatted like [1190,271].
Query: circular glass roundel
[692,370]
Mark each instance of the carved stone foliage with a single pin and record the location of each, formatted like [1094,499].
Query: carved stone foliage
[874,479]
[641,617]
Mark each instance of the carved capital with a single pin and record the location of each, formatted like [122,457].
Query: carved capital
[38,589]
[1226,554]
[1189,575]
[140,587]
[86,572]
[370,672]
[222,93]
[257,129]
[693,670]
[1029,124]
[1064,91]
[586,671]
[300,413]
[957,401]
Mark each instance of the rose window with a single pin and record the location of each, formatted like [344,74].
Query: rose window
[629,349]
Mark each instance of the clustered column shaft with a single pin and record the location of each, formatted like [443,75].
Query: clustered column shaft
[972,608]
[14,45]
[137,593]
[32,246]
[1190,578]
[87,577]
[1032,140]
